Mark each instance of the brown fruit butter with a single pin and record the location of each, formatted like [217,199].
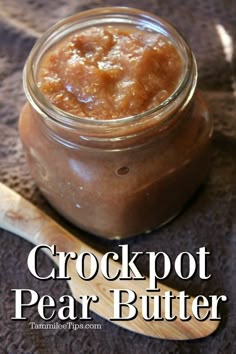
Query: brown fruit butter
[110,72]
[115,134]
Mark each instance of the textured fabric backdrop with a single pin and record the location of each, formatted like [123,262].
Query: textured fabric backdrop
[209,220]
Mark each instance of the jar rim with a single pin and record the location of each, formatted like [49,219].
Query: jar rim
[41,104]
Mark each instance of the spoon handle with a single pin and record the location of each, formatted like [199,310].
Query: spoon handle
[22,218]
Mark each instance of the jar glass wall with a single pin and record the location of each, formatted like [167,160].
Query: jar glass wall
[122,177]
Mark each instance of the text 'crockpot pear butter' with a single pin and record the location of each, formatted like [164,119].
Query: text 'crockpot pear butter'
[116,136]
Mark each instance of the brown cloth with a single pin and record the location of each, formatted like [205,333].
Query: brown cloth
[209,220]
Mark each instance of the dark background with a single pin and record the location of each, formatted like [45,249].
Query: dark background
[208,220]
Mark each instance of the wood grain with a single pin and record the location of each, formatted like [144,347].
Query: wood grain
[22,218]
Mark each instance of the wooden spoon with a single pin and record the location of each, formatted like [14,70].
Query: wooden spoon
[22,218]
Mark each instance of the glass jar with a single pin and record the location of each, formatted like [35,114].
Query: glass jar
[126,176]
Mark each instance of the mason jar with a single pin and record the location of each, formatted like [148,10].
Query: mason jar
[117,177]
